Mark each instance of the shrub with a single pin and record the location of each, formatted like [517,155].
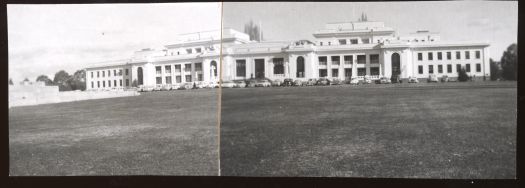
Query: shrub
[462,75]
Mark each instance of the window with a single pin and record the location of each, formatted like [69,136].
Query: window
[458,67]
[440,56]
[198,66]
[420,69]
[199,77]
[361,59]
[98,84]
[114,83]
[323,73]
[188,51]
[374,58]
[120,82]
[241,68]
[168,79]
[467,55]
[98,74]
[187,67]
[92,84]
[449,55]
[109,73]
[167,69]
[353,41]
[478,67]
[335,72]
[188,78]
[177,68]
[449,68]
[103,73]
[120,72]
[159,80]
[127,81]
[115,72]
[103,84]
[158,69]
[178,79]
[322,60]
[342,41]
[374,71]
[320,43]
[467,67]
[335,60]
[198,50]
[458,55]
[431,69]
[91,74]
[440,68]
[420,56]
[348,59]
[478,54]
[361,71]
[430,56]
[109,83]
[127,72]
[278,67]
[348,72]
[300,67]
[366,41]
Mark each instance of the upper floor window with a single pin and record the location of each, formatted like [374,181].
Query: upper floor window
[91,74]
[430,56]
[329,43]
[187,67]
[440,56]
[353,41]
[167,69]
[348,59]
[420,56]
[198,66]
[115,72]
[103,73]
[374,58]
[158,69]
[197,50]
[127,72]
[478,54]
[335,60]
[320,43]
[449,55]
[366,41]
[342,41]
[361,59]
[467,55]
[188,51]
[98,74]
[458,55]
[323,60]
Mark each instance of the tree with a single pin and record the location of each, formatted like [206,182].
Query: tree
[78,80]
[509,62]
[253,31]
[10,81]
[462,75]
[61,79]
[494,69]
[45,79]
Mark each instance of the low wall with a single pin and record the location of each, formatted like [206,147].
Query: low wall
[22,96]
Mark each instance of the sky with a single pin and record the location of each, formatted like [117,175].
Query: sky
[43,39]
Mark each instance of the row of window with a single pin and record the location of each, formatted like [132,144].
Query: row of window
[109,83]
[178,79]
[349,59]
[278,66]
[109,73]
[347,41]
[449,68]
[374,71]
[187,68]
[190,50]
[430,55]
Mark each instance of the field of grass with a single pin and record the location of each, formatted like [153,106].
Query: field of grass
[159,133]
[453,130]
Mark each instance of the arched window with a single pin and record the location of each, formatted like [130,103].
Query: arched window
[139,75]
[300,67]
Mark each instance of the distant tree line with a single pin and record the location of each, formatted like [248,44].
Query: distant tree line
[63,80]
[506,68]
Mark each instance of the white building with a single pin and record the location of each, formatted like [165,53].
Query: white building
[340,50]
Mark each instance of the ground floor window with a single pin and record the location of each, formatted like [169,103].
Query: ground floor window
[348,73]
[278,67]
[103,84]
[467,67]
[440,68]
[178,79]
[109,83]
[361,71]
[449,68]
[335,72]
[120,82]
[478,67]
[168,79]
[127,82]
[114,83]
[199,77]
[431,69]
[188,78]
[92,84]
[241,68]
[98,84]
[159,80]
[323,73]
[374,71]
[420,69]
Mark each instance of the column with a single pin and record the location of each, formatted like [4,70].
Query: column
[354,65]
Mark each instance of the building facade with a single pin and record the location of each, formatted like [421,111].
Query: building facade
[340,51]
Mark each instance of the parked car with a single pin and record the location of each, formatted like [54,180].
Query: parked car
[432,78]
[323,82]
[444,78]
[336,81]
[354,81]
[277,82]
[262,83]
[165,88]
[240,84]
[383,80]
[227,84]
[297,83]
[311,82]
[251,83]
[288,82]
[412,80]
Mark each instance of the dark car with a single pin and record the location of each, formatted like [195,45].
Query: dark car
[288,82]
[336,81]
[323,82]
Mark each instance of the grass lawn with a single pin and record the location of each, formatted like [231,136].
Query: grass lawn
[159,133]
[453,130]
